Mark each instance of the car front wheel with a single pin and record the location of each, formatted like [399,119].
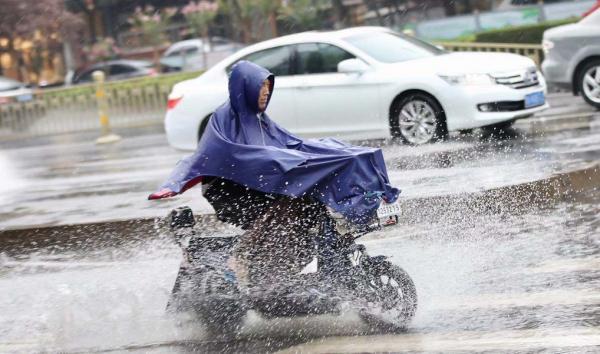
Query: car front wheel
[418,119]
[589,82]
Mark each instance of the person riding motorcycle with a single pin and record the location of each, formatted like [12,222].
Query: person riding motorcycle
[273,184]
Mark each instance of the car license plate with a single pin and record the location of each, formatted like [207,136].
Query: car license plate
[25,97]
[534,99]
[385,210]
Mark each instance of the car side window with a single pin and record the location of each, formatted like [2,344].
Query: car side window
[191,50]
[85,77]
[174,53]
[183,51]
[276,60]
[318,58]
[120,69]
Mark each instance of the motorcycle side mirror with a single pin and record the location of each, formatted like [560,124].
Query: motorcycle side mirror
[353,65]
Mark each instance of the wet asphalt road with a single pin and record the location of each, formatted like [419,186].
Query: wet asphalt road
[516,280]
[69,180]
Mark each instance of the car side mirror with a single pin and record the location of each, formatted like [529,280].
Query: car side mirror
[352,66]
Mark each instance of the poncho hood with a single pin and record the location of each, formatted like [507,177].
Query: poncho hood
[248,148]
[245,82]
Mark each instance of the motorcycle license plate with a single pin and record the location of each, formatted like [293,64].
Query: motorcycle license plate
[385,210]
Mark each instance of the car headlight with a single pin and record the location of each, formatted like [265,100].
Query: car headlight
[469,79]
[547,45]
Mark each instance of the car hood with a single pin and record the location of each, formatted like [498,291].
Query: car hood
[15,92]
[458,63]
[570,30]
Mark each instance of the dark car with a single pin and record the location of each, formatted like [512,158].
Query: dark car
[116,70]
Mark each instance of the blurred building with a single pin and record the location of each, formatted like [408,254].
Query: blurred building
[38,60]
[32,40]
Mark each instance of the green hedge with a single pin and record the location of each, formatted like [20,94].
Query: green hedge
[529,34]
[142,82]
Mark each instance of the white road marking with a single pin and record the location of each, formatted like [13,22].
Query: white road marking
[468,340]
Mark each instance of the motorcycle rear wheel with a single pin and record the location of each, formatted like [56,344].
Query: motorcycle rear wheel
[391,298]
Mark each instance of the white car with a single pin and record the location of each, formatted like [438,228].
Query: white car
[190,54]
[368,82]
[14,91]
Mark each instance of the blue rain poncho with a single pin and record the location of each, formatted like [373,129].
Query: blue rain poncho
[244,145]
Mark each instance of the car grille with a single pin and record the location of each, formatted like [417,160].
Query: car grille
[518,79]
[503,106]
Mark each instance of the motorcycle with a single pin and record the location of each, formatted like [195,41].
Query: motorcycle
[341,275]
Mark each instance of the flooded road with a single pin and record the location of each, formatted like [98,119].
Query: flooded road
[485,283]
[501,279]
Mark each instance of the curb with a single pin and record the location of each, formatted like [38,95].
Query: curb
[565,186]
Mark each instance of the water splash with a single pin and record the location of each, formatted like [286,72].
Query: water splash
[10,181]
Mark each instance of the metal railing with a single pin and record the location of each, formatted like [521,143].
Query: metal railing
[533,51]
[133,102]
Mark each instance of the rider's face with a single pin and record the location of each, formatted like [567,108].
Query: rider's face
[263,96]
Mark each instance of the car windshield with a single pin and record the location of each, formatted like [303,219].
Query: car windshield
[390,47]
[592,19]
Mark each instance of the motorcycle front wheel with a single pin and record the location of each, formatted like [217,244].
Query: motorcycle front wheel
[390,297]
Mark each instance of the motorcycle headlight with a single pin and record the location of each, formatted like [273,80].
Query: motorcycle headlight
[469,79]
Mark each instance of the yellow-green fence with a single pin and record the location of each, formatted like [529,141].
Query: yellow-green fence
[132,102]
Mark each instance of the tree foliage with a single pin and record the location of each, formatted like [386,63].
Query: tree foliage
[254,20]
[151,23]
[303,15]
[20,18]
[241,14]
[102,50]
[199,15]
